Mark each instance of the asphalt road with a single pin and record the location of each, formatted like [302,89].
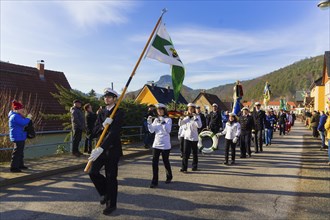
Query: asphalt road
[290,180]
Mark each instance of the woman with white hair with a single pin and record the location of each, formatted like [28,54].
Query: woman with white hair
[161,126]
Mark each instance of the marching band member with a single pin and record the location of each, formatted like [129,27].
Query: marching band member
[192,122]
[232,132]
[161,126]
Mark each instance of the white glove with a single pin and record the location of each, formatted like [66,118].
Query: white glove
[219,134]
[29,116]
[253,135]
[95,154]
[107,121]
[149,120]
[266,129]
[235,140]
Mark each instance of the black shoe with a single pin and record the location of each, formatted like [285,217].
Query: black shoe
[109,209]
[261,151]
[146,146]
[225,163]
[257,152]
[77,154]
[266,145]
[249,155]
[243,156]
[168,181]
[183,170]
[15,170]
[103,199]
[153,185]
[194,169]
[233,162]
[23,167]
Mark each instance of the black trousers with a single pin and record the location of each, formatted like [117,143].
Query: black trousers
[282,129]
[181,145]
[106,185]
[88,143]
[155,161]
[258,140]
[77,133]
[17,155]
[315,132]
[189,146]
[232,146]
[245,144]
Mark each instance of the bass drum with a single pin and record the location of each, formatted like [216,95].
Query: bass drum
[207,150]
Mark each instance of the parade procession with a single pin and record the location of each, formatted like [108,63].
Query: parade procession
[237,128]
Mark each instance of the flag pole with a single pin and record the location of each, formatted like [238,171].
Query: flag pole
[87,168]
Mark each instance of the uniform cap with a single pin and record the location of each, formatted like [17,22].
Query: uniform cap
[245,108]
[215,104]
[197,106]
[160,105]
[257,103]
[191,105]
[76,100]
[232,114]
[110,92]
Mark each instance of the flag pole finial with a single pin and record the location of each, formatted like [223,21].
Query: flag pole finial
[164,11]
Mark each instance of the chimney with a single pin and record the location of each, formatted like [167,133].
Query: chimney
[41,68]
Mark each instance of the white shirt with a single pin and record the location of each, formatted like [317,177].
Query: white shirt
[162,128]
[192,124]
[181,131]
[232,130]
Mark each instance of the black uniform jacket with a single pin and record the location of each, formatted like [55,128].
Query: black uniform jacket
[246,123]
[214,121]
[90,120]
[259,118]
[111,141]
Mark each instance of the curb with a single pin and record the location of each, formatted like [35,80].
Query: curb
[34,176]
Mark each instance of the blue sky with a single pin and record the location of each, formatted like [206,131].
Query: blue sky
[98,42]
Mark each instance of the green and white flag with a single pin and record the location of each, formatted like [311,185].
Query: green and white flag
[162,49]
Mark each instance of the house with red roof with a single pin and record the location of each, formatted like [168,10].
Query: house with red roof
[34,84]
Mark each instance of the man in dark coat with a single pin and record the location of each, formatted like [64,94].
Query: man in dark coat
[259,118]
[78,125]
[315,119]
[203,118]
[108,153]
[214,119]
[90,118]
[282,121]
[246,122]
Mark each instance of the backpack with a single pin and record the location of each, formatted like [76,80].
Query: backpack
[30,130]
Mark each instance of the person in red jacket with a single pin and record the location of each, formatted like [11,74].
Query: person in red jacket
[17,123]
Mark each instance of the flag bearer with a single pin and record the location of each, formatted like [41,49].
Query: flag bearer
[108,153]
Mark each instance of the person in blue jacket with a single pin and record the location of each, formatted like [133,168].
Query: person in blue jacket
[17,123]
[320,128]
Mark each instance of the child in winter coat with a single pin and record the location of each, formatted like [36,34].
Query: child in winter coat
[232,132]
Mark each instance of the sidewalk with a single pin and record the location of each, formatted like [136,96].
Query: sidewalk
[47,166]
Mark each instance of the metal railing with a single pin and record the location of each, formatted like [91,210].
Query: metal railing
[139,134]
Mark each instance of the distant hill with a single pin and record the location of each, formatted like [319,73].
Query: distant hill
[284,82]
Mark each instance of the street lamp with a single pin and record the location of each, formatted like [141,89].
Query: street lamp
[324,4]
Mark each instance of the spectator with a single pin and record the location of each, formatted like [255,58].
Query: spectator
[282,121]
[259,117]
[327,129]
[17,122]
[78,125]
[321,129]
[90,118]
[315,119]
